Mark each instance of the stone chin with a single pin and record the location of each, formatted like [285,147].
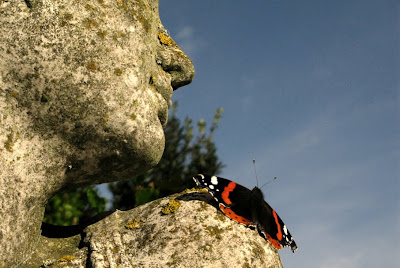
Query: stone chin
[118,152]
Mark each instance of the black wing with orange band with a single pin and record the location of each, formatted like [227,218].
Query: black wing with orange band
[233,199]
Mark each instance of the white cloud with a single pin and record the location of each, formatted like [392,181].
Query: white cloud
[188,40]
[185,33]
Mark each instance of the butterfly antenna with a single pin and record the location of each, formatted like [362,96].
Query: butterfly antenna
[268,182]
[255,170]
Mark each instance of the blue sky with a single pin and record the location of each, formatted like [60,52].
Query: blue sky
[310,89]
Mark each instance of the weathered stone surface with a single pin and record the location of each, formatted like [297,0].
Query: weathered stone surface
[85,88]
[195,234]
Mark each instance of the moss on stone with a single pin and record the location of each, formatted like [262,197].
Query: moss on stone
[203,206]
[10,142]
[14,94]
[258,252]
[133,116]
[89,23]
[133,224]
[118,35]
[246,265]
[145,22]
[197,237]
[68,16]
[171,207]
[117,71]
[92,66]
[65,19]
[174,259]
[215,231]
[101,33]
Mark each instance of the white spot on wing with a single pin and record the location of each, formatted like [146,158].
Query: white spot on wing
[214,180]
[211,187]
[285,229]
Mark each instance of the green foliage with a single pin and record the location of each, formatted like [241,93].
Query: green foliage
[73,207]
[145,195]
[184,156]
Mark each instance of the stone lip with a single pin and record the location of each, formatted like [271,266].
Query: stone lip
[196,234]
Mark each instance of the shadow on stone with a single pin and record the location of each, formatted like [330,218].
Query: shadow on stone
[199,196]
[58,231]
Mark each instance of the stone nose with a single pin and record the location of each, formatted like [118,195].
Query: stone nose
[173,61]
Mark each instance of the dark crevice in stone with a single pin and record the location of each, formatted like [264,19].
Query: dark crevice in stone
[28,3]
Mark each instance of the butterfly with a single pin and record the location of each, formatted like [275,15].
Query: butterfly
[247,207]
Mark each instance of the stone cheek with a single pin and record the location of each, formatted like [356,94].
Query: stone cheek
[82,72]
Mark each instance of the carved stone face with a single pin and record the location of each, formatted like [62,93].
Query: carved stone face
[93,80]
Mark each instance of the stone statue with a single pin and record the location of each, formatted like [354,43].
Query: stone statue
[85,88]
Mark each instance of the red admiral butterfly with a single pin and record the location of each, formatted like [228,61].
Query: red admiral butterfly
[247,207]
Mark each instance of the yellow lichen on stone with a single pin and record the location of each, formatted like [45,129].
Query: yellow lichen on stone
[171,207]
[67,258]
[133,224]
[165,39]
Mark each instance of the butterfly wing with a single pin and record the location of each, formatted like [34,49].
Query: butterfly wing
[233,199]
[272,228]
